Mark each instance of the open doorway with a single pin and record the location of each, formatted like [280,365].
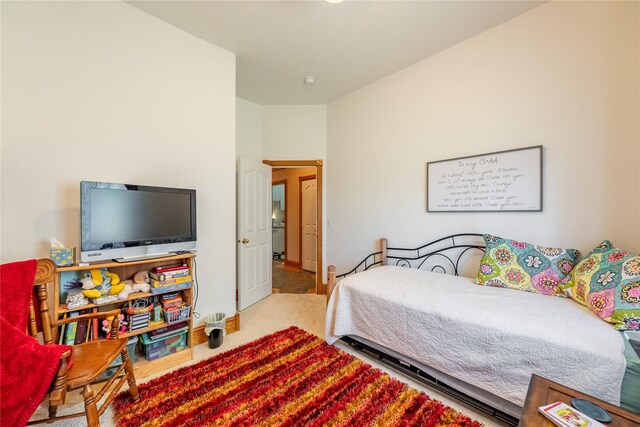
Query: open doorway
[279,219]
[297,225]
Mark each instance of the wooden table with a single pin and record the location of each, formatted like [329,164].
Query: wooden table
[543,392]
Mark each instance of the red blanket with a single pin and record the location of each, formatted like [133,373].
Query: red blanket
[27,368]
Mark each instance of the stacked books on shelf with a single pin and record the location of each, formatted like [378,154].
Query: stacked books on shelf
[170,278]
[564,415]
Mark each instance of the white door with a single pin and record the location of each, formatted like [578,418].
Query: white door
[309,224]
[254,232]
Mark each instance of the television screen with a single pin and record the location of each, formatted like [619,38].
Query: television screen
[124,221]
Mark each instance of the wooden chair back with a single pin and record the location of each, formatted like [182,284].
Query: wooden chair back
[45,271]
[44,275]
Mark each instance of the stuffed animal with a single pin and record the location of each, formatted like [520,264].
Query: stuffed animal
[98,280]
[124,293]
[141,287]
[141,277]
[116,289]
[128,287]
[114,278]
[87,283]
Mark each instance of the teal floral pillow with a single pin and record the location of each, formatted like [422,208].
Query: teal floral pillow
[524,266]
[608,282]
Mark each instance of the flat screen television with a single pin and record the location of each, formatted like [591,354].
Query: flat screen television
[126,222]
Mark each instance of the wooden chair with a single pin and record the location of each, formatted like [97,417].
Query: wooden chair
[90,359]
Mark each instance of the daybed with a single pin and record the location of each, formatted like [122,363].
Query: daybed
[482,341]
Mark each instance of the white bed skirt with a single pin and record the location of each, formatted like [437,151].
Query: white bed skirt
[491,339]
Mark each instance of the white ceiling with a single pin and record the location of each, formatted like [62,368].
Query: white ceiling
[344,46]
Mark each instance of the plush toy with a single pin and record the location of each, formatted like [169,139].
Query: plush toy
[87,283]
[124,293]
[101,280]
[116,289]
[141,277]
[128,287]
[141,287]
[114,278]
[106,324]
[98,282]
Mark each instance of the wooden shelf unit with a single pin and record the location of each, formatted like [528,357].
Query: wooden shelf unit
[126,271]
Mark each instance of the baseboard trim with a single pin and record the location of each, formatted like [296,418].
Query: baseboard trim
[293,264]
[232,325]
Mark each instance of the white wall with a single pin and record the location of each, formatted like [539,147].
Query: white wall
[564,75]
[102,91]
[283,132]
[248,129]
[294,132]
[298,132]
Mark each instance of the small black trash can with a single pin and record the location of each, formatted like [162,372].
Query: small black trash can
[215,338]
[214,327]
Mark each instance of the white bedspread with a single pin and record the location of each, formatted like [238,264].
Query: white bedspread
[492,338]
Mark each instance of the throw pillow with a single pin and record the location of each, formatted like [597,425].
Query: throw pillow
[608,282]
[524,266]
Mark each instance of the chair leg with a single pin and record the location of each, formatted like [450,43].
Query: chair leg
[131,378]
[90,407]
[53,410]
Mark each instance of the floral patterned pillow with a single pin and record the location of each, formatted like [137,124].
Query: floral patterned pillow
[524,266]
[608,282]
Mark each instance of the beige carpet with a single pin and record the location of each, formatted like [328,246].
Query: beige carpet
[276,312]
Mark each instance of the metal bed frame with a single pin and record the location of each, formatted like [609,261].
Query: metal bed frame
[449,250]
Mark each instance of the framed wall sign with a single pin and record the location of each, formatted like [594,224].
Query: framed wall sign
[504,181]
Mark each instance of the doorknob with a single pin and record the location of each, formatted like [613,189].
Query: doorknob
[244,241]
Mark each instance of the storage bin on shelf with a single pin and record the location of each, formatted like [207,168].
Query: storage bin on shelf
[154,349]
[179,315]
[131,347]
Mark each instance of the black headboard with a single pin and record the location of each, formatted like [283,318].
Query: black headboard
[442,255]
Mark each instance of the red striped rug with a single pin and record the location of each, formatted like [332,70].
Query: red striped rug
[289,378]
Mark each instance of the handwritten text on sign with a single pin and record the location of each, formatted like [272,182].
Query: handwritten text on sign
[504,181]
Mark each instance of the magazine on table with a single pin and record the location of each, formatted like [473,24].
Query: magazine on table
[564,415]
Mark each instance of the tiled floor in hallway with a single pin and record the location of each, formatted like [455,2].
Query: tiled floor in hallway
[287,280]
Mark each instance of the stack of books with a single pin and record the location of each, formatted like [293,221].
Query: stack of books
[169,278]
[169,275]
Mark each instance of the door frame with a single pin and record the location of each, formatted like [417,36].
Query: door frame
[320,289]
[301,179]
[286,208]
